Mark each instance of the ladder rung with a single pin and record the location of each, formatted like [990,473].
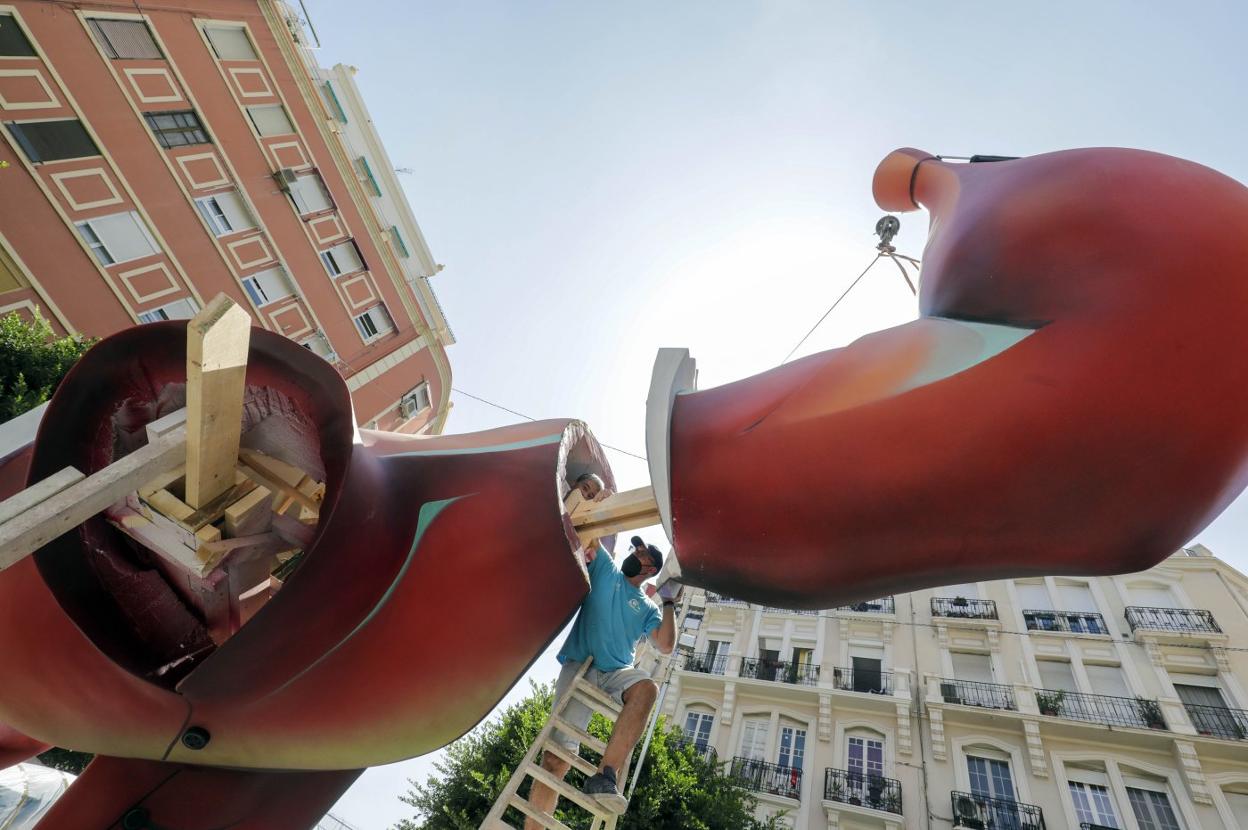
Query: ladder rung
[544,819]
[597,700]
[580,734]
[587,802]
[569,757]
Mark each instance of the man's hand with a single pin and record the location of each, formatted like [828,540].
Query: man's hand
[590,550]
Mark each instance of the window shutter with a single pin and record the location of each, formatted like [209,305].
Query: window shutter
[53,140]
[130,39]
[1056,675]
[1077,598]
[345,255]
[309,195]
[230,43]
[1107,680]
[124,236]
[235,211]
[274,283]
[1033,596]
[270,119]
[976,667]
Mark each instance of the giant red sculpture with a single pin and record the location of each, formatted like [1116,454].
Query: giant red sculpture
[1073,399]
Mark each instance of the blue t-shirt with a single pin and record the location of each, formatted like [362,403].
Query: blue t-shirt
[613,618]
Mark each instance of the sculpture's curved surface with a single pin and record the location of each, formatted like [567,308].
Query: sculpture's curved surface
[1095,425]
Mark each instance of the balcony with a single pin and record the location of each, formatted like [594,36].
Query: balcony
[703,750]
[1138,712]
[964,609]
[974,693]
[780,671]
[874,791]
[1088,825]
[774,610]
[762,777]
[1072,622]
[1219,721]
[883,605]
[871,681]
[980,812]
[706,663]
[720,599]
[1171,619]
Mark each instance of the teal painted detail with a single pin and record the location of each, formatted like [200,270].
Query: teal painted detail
[987,340]
[334,103]
[514,445]
[428,512]
[367,170]
[399,244]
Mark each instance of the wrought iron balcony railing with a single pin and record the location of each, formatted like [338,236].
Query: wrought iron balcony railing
[781,671]
[1090,825]
[963,608]
[975,693]
[862,790]
[981,812]
[1171,619]
[763,777]
[700,748]
[1219,721]
[1074,622]
[883,605]
[871,681]
[776,609]
[1114,711]
[706,663]
[711,596]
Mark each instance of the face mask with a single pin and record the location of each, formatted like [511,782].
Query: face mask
[631,566]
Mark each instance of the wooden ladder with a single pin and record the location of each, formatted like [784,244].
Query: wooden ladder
[585,693]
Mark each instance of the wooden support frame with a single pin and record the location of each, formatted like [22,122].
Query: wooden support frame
[628,510]
[217,339]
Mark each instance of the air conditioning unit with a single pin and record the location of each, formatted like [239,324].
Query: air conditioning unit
[285,177]
[407,407]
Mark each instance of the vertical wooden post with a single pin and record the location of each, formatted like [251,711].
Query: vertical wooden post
[217,339]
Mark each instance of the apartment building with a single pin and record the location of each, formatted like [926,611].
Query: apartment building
[1058,703]
[154,156]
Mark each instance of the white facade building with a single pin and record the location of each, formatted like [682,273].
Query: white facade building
[1058,703]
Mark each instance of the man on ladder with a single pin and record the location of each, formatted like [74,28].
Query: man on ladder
[613,617]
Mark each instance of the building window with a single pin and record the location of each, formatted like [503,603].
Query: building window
[1237,800]
[1152,809]
[343,258]
[224,213]
[97,247]
[176,310]
[792,750]
[267,286]
[335,106]
[1093,804]
[366,173]
[270,119]
[864,757]
[416,400]
[230,43]
[754,739]
[53,140]
[318,344]
[176,129]
[698,729]
[399,245]
[13,41]
[308,194]
[374,323]
[990,778]
[129,39]
[117,238]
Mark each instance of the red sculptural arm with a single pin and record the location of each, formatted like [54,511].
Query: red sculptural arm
[1073,398]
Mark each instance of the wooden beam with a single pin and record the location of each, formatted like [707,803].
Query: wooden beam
[217,339]
[269,472]
[251,514]
[621,511]
[35,493]
[33,528]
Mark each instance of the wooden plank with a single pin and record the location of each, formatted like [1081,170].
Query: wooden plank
[37,492]
[261,469]
[162,481]
[251,514]
[293,531]
[616,505]
[217,339]
[166,424]
[53,517]
[161,540]
[585,802]
[545,819]
[260,544]
[568,757]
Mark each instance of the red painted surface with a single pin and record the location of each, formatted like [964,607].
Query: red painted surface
[1099,444]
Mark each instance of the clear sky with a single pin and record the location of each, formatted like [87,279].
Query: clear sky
[603,179]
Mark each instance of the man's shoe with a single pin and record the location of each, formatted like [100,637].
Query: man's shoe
[603,788]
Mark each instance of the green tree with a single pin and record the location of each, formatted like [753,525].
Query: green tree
[32,362]
[66,760]
[678,789]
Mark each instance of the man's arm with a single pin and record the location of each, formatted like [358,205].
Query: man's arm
[664,636]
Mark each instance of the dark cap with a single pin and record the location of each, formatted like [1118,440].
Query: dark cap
[655,555]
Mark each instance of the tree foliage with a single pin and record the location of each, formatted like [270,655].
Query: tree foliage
[66,760]
[32,362]
[678,789]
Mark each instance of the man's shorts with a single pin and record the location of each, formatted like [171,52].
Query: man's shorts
[614,683]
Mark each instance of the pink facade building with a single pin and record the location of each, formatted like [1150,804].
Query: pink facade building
[151,158]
